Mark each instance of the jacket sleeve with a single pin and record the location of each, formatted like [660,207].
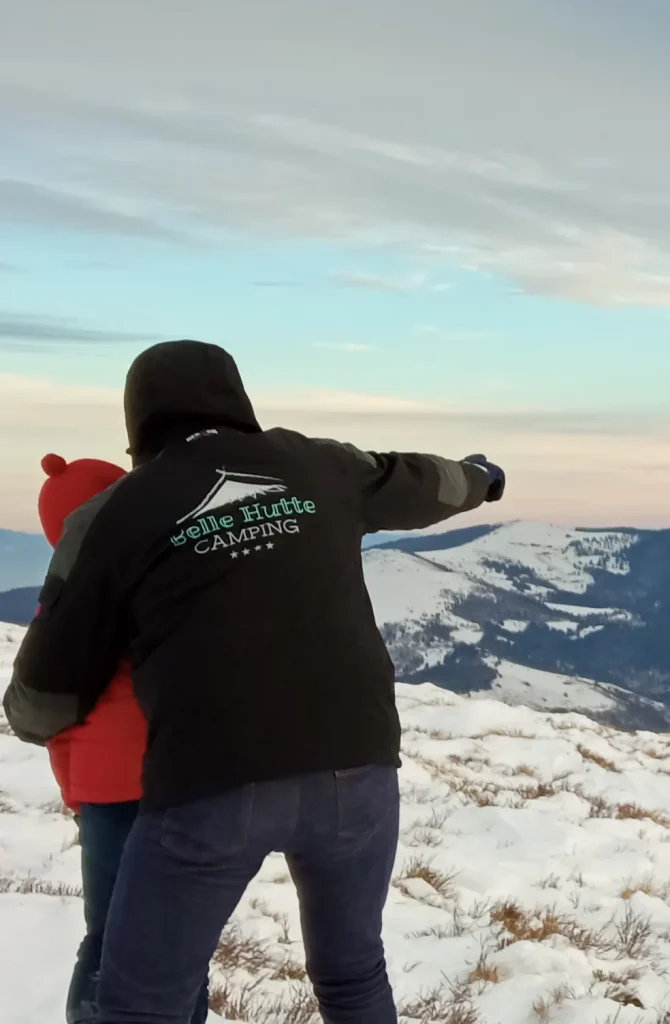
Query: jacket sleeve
[409,491]
[72,647]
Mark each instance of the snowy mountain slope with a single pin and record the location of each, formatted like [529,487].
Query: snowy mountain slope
[587,608]
[532,882]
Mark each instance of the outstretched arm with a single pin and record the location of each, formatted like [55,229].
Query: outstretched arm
[409,491]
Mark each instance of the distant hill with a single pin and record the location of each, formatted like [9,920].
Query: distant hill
[18,606]
[541,615]
[23,559]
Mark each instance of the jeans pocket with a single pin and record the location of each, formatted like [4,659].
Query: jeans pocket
[365,797]
[206,831]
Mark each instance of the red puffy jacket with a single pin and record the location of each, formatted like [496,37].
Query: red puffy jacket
[100,762]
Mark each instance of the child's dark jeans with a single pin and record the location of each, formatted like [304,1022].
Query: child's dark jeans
[103,830]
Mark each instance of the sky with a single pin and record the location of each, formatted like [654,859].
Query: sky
[437,226]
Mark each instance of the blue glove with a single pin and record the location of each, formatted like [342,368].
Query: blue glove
[495,474]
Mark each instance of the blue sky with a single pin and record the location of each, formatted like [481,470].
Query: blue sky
[462,242]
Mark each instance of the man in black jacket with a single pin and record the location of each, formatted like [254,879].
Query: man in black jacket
[228,565]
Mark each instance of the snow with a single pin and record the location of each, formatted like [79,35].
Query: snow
[515,625]
[518,684]
[404,586]
[578,609]
[533,870]
[560,558]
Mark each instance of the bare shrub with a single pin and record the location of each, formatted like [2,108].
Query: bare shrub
[425,837]
[550,882]
[30,886]
[237,950]
[239,1003]
[618,986]
[436,931]
[438,818]
[301,1007]
[6,806]
[634,935]
[600,808]
[542,1007]
[289,970]
[448,1004]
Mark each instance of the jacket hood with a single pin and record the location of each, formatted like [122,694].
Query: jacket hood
[182,386]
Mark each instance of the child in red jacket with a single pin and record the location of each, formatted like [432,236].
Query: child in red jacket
[98,765]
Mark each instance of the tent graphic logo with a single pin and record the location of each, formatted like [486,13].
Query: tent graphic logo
[233,487]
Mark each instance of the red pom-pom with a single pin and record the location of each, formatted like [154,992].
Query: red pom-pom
[54,465]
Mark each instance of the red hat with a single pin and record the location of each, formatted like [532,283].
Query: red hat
[68,486]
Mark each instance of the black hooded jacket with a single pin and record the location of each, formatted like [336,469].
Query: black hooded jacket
[228,564]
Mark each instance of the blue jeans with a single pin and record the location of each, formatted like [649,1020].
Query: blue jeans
[103,832]
[185,870]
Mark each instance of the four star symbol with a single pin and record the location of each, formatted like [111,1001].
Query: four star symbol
[247,551]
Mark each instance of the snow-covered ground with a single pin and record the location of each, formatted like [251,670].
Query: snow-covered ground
[532,882]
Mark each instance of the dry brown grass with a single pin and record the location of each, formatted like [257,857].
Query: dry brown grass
[542,1007]
[514,734]
[519,925]
[602,762]
[601,808]
[657,755]
[446,1004]
[419,867]
[240,1003]
[484,972]
[289,970]
[425,837]
[618,986]
[540,791]
[244,1003]
[30,886]
[650,886]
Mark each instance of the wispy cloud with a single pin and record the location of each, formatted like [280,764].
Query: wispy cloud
[43,330]
[378,283]
[23,202]
[562,184]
